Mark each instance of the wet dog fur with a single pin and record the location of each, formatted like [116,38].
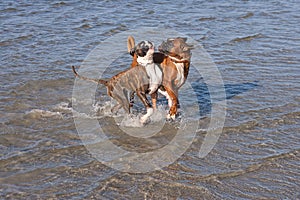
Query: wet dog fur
[120,86]
[174,59]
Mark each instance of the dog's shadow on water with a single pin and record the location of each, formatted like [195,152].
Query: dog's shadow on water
[231,90]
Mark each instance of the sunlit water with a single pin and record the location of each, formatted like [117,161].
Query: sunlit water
[256,47]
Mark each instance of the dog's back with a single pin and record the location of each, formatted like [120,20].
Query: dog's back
[132,79]
[121,85]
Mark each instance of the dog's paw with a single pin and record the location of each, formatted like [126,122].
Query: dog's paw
[143,120]
[145,117]
[171,117]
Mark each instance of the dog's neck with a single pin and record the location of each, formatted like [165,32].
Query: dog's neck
[176,60]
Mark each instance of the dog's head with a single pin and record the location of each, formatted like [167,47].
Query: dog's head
[142,49]
[176,47]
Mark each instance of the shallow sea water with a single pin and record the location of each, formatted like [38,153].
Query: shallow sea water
[256,47]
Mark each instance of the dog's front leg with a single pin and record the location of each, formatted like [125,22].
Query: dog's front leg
[154,100]
[148,106]
[163,92]
[173,99]
[131,99]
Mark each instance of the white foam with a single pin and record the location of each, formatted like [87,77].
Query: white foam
[100,110]
[39,113]
[104,109]
[131,121]
[159,114]
[63,107]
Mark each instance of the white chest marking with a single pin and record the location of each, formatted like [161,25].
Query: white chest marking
[155,75]
[153,71]
[144,60]
[180,74]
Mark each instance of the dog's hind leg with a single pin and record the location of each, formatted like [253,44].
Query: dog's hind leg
[122,102]
[131,99]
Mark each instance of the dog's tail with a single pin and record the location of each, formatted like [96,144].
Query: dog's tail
[101,81]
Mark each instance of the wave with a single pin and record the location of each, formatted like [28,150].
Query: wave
[18,39]
[39,113]
[247,15]
[207,18]
[247,38]
[134,120]
[98,110]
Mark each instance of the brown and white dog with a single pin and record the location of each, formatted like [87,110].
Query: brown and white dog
[174,59]
[136,79]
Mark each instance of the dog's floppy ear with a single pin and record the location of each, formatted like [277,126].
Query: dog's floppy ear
[130,44]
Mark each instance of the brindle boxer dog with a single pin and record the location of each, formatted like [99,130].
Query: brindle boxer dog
[131,80]
[174,59]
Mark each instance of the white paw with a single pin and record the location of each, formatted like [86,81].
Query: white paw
[145,117]
[171,117]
